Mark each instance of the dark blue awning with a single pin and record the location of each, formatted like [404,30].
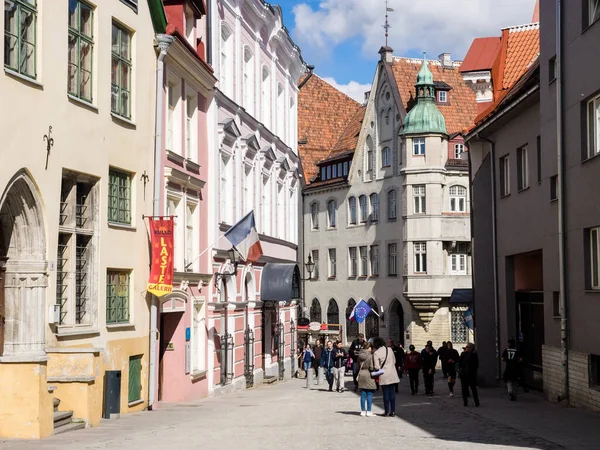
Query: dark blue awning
[461,296]
[280,282]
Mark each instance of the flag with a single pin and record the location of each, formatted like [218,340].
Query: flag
[468,318]
[360,312]
[389,9]
[244,238]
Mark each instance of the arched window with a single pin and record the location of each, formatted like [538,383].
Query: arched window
[372,321]
[315,311]
[352,210]
[314,215]
[266,97]
[248,81]
[396,322]
[386,157]
[458,199]
[226,64]
[351,325]
[391,205]
[333,314]
[364,211]
[374,207]
[280,113]
[331,210]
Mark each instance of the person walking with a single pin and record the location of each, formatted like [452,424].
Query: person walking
[339,367]
[512,372]
[366,383]
[355,348]
[318,352]
[429,363]
[327,362]
[452,358]
[442,356]
[307,359]
[399,355]
[412,365]
[468,366]
[385,362]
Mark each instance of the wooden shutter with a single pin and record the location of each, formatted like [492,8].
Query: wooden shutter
[135,378]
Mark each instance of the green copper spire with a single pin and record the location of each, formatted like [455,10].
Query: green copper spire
[425,117]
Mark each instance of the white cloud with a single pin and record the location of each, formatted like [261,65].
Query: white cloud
[435,26]
[353,89]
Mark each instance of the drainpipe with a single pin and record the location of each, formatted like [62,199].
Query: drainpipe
[495,251]
[164,41]
[209,32]
[562,216]
[308,77]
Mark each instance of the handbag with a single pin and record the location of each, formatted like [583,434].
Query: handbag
[380,372]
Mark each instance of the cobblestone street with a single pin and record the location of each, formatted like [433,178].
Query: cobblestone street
[287,416]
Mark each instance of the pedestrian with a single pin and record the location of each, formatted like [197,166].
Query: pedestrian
[327,362]
[468,367]
[452,358]
[429,363]
[442,356]
[412,365]
[399,355]
[512,372]
[430,344]
[307,359]
[366,383]
[318,351]
[385,362]
[355,348]
[339,367]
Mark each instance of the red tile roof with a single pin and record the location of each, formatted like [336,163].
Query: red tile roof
[324,117]
[349,138]
[481,54]
[461,109]
[522,48]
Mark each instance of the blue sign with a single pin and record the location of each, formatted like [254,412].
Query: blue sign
[188,334]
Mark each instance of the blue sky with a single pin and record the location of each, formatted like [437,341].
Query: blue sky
[342,37]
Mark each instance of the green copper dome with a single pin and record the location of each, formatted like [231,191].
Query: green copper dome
[425,117]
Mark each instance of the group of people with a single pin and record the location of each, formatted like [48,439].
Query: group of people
[332,359]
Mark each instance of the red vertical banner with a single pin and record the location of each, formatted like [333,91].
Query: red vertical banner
[161,269]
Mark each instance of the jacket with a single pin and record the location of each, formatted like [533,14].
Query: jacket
[469,365]
[513,359]
[452,355]
[328,358]
[340,361]
[412,360]
[318,352]
[307,355]
[429,361]
[399,355]
[384,359]
[365,364]
[355,349]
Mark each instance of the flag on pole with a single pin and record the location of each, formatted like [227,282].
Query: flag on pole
[468,318]
[244,237]
[360,312]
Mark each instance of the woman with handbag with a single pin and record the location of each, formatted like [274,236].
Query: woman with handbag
[384,363]
[366,383]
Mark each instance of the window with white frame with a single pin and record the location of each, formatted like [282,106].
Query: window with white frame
[314,216]
[191,237]
[593,127]
[266,204]
[442,96]
[420,257]
[331,211]
[594,264]
[419,198]
[198,359]
[266,97]
[592,12]
[280,113]
[332,263]
[248,189]
[392,205]
[315,258]
[364,211]
[374,255]
[291,120]
[352,214]
[458,258]
[458,199]
[458,150]
[504,176]
[225,193]
[281,207]
[175,207]
[191,126]
[393,259]
[248,81]
[173,138]
[374,200]
[20,36]
[418,146]
[352,262]
[386,157]
[226,67]
[522,169]
[364,262]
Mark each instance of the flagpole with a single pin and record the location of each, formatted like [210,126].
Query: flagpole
[203,252]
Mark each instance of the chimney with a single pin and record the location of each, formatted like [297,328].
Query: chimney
[386,54]
[446,60]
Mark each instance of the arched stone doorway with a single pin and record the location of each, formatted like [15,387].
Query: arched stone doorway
[333,314]
[372,321]
[315,311]
[351,325]
[396,322]
[23,246]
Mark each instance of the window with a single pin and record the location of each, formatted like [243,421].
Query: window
[392,259]
[331,208]
[328,168]
[135,379]
[522,169]
[352,266]
[226,69]
[119,197]
[594,371]
[281,209]
[248,82]
[191,133]
[352,210]
[279,116]
[554,188]
[458,150]
[552,69]
[539,159]
[458,199]
[593,126]
[555,304]
[374,199]
[346,166]
[595,257]
[198,336]
[266,97]
[117,296]
[442,96]
[458,328]
[364,213]
[121,72]
[266,204]
[369,153]
[392,205]
[174,207]
[419,146]
[332,263]
[364,262]
[20,36]
[323,174]
[225,191]
[315,311]
[591,12]
[81,49]
[191,242]
[374,260]
[504,176]
[173,138]
[386,157]
[334,171]
[420,257]
[314,216]
[315,258]
[419,198]
[458,259]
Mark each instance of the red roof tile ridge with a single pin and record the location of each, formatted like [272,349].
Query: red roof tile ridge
[523,27]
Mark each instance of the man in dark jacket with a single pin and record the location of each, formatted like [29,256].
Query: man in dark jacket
[328,362]
[339,366]
[468,366]
[443,357]
[429,362]
[353,352]
[512,372]
[318,351]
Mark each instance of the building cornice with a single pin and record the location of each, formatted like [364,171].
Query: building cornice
[183,179]
[180,57]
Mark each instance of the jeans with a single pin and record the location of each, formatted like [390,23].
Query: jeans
[413,375]
[389,398]
[307,365]
[366,400]
[329,376]
[355,370]
[338,377]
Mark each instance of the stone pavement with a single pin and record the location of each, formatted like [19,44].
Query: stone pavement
[287,416]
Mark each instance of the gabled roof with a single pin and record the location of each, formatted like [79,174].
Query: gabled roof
[481,54]
[349,138]
[461,109]
[324,113]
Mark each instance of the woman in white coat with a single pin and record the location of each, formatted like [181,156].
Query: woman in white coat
[384,360]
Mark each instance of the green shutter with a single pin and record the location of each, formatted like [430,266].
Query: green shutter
[135,378]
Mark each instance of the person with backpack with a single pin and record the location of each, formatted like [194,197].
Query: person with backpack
[512,372]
